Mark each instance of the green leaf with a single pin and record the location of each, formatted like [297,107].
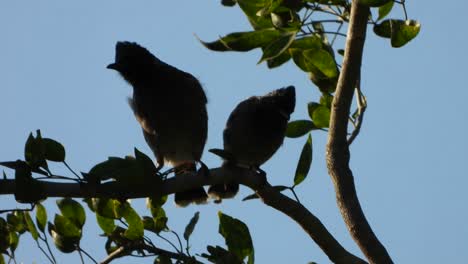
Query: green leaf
[310,42]
[243,41]
[304,163]
[16,222]
[66,228]
[321,117]
[72,210]
[63,243]
[383,29]
[298,128]
[399,31]
[251,8]
[135,224]
[53,150]
[160,220]
[279,60]
[237,236]
[191,226]
[106,224]
[30,225]
[311,107]
[326,100]
[228,2]
[374,3]
[104,207]
[41,217]
[323,61]
[385,10]
[14,241]
[4,235]
[403,32]
[278,46]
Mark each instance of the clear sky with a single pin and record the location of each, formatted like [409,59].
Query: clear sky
[409,161]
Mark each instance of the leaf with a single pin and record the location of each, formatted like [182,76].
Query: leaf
[251,8]
[321,116]
[14,241]
[72,210]
[135,224]
[147,166]
[243,41]
[191,226]
[16,222]
[383,29]
[221,255]
[124,170]
[34,152]
[53,150]
[404,32]
[105,207]
[399,31]
[41,217]
[374,3]
[237,236]
[30,225]
[323,61]
[4,235]
[277,47]
[298,128]
[162,259]
[304,163]
[106,224]
[66,228]
[308,42]
[252,196]
[160,220]
[279,60]
[64,244]
[385,10]
[326,100]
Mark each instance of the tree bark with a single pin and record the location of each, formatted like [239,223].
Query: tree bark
[338,154]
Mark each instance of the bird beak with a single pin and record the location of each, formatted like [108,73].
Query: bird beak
[113,66]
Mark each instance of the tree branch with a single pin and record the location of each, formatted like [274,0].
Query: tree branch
[337,147]
[310,223]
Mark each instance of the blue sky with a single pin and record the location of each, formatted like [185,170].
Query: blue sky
[409,160]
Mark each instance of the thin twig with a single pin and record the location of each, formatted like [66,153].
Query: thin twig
[170,243]
[362,106]
[178,238]
[45,253]
[72,171]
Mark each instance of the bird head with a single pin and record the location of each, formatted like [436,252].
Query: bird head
[131,60]
[285,99]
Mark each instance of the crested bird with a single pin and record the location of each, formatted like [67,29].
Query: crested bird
[170,106]
[254,132]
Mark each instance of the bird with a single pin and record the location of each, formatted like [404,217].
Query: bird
[254,131]
[170,106]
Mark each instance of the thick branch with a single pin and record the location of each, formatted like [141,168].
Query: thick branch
[311,224]
[338,149]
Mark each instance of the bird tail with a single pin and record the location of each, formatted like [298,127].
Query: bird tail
[223,191]
[197,195]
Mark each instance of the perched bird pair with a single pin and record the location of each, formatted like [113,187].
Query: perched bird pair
[170,106]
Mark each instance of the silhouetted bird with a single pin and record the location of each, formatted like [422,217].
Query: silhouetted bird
[254,132]
[170,106]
